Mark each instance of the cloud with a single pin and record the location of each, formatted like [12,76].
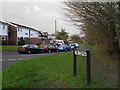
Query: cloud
[38,9]
[27,9]
[33,9]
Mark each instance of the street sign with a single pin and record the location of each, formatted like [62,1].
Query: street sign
[81,53]
[88,68]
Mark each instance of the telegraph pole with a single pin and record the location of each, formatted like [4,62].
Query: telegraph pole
[55,28]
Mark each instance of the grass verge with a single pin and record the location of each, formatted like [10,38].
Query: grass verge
[55,71]
[86,45]
[8,48]
[102,55]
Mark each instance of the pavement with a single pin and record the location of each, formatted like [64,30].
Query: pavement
[9,58]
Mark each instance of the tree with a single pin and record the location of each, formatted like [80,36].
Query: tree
[100,22]
[75,38]
[22,41]
[62,35]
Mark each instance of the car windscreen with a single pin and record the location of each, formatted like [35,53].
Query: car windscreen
[45,46]
[25,45]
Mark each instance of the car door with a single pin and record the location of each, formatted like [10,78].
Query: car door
[37,49]
[50,47]
[32,48]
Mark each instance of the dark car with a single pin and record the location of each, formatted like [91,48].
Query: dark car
[29,49]
[49,48]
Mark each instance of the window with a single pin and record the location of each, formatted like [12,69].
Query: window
[20,29]
[26,33]
[36,33]
[32,46]
[4,37]
[18,38]
[35,46]
[3,26]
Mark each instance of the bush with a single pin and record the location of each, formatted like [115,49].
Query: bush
[22,41]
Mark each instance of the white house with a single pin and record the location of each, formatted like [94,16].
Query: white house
[3,31]
[12,32]
[26,31]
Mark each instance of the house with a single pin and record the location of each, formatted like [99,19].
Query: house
[52,38]
[12,32]
[16,31]
[3,33]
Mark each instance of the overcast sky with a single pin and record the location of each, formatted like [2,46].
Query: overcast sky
[40,15]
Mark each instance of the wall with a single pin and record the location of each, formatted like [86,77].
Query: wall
[3,29]
[33,33]
[12,35]
[22,32]
[32,40]
[3,33]
[26,32]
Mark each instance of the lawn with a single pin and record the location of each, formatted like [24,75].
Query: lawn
[8,48]
[55,71]
[86,45]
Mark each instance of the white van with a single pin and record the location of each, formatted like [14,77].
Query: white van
[60,42]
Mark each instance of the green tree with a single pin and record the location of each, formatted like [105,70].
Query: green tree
[75,38]
[62,35]
[22,41]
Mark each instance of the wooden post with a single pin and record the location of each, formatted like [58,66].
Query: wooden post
[74,63]
[88,67]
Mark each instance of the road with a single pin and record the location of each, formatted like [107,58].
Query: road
[9,58]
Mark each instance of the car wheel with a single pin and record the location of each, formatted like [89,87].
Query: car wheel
[29,52]
[19,53]
[65,49]
[42,51]
[49,51]
[57,50]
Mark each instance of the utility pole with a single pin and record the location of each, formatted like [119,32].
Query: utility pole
[55,28]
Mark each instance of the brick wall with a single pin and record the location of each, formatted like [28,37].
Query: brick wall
[46,41]
[32,40]
[0,39]
[12,35]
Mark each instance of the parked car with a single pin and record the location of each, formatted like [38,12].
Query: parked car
[29,49]
[64,48]
[72,46]
[50,48]
[76,45]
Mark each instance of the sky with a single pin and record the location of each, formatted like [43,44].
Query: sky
[40,15]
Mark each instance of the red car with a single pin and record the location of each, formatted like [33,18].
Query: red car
[49,48]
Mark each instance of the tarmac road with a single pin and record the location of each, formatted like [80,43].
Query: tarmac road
[9,58]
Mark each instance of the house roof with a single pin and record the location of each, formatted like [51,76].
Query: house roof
[20,25]
[3,22]
[24,26]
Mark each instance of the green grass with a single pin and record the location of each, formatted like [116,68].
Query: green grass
[102,55]
[8,48]
[86,45]
[54,71]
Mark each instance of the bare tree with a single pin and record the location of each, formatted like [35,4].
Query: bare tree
[100,22]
